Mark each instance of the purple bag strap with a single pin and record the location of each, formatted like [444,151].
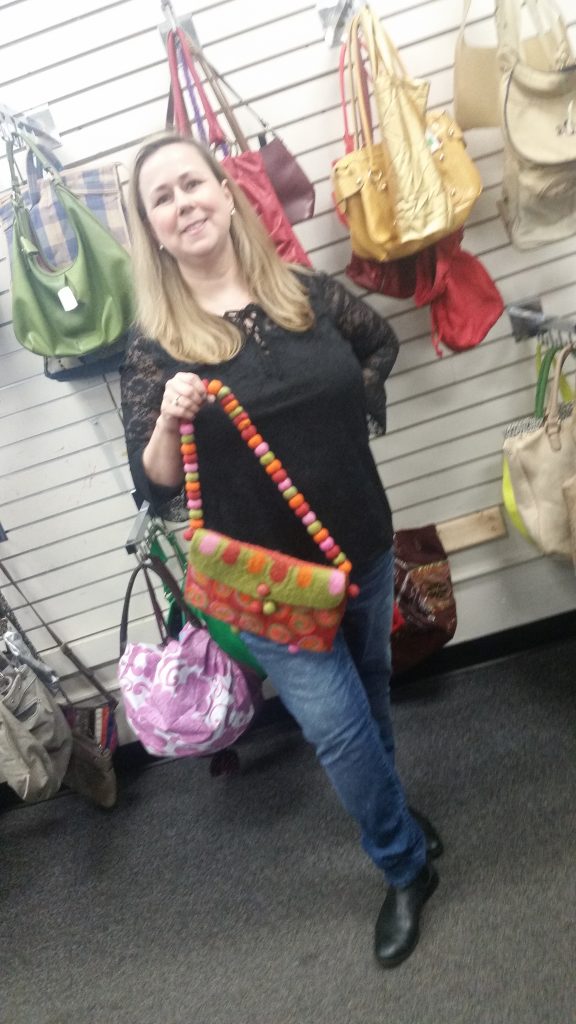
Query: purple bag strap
[191,91]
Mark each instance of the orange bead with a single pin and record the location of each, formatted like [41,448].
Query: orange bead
[257,562]
[296,501]
[188,449]
[304,576]
[321,535]
[254,441]
[346,566]
[214,387]
[273,466]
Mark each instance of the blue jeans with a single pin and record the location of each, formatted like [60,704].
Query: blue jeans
[341,701]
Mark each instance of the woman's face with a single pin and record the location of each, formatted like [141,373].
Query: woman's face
[187,207]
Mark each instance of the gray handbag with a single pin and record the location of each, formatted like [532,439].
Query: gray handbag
[35,738]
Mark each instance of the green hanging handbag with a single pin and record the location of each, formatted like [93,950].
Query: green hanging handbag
[72,310]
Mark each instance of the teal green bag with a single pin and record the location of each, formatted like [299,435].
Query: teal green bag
[72,310]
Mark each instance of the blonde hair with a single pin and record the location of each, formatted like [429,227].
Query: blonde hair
[166,307]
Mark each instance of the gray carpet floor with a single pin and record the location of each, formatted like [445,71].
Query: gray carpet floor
[247,900]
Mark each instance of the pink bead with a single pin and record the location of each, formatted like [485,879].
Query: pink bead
[186,428]
[285,485]
[293,649]
[327,544]
[190,467]
[194,503]
[309,518]
[261,449]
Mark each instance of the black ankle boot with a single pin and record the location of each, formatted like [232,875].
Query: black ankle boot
[397,927]
[434,845]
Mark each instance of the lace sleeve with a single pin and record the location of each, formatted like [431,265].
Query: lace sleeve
[373,341]
[143,376]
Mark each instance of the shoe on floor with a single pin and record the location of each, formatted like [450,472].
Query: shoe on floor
[398,924]
[434,845]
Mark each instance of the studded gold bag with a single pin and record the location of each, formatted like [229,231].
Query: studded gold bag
[415,185]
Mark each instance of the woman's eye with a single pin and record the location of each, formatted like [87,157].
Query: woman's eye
[160,199]
[191,184]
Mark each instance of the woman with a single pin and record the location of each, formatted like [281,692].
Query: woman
[308,362]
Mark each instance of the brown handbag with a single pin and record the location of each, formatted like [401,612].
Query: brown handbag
[425,613]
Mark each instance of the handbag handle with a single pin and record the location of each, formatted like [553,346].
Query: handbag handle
[552,421]
[177,113]
[269,462]
[155,565]
[347,56]
[214,79]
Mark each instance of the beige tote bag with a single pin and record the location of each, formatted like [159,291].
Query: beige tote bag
[542,465]
[477,70]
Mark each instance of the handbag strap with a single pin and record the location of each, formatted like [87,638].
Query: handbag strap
[348,57]
[552,423]
[214,80]
[176,113]
[269,462]
[154,565]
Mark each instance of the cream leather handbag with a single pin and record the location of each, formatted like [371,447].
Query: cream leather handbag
[541,466]
[477,72]
[538,202]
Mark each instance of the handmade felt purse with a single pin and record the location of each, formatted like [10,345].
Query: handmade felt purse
[273,595]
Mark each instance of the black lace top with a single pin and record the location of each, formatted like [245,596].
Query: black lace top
[316,398]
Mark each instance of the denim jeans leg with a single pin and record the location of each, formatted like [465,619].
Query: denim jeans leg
[325,695]
[367,626]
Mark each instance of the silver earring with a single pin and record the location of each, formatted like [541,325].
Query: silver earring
[232,211]
[160,248]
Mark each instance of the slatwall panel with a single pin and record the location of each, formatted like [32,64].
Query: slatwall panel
[64,481]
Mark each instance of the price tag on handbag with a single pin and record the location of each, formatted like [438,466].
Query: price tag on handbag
[67,298]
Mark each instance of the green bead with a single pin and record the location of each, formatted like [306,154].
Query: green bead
[236,412]
[269,607]
[196,513]
[266,459]
[187,438]
[224,391]
[314,527]
[290,492]
[339,559]
[193,477]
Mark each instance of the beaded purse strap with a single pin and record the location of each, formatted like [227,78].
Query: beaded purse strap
[269,462]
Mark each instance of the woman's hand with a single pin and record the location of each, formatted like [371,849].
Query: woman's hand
[184,396]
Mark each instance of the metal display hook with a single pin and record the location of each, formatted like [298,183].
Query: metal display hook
[528,320]
[172,23]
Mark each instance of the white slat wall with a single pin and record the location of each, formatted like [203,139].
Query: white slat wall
[65,500]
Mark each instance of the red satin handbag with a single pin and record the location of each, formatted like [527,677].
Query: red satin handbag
[247,169]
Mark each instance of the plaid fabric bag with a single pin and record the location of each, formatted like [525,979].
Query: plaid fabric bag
[98,188]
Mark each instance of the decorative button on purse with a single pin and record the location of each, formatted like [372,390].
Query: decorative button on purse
[283,599]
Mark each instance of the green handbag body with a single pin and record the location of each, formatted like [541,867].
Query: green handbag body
[73,310]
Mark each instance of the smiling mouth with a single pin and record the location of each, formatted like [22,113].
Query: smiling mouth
[195,228]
